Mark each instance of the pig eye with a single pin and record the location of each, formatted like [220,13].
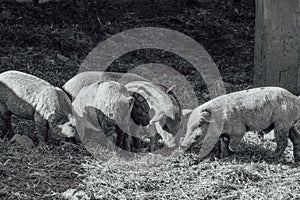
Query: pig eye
[200,124]
[111,115]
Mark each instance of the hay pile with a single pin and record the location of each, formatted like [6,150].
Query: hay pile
[250,174]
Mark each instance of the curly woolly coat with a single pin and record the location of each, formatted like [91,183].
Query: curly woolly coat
[30,97]
[103,107]
[249,110]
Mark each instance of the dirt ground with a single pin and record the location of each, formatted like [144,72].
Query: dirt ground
[52,39]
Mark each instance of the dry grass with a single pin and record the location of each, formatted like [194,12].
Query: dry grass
[250,174]
[40,172]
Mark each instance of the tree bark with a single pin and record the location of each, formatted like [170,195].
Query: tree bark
[277,44]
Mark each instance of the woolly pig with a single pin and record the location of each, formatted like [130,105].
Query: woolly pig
[249,110]
[107,105]
[140,113]
[163,115]
[29,97]
[74,85]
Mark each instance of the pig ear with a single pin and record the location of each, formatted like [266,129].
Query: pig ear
[171,89]
[205,117]
[157,117]
[90,115]
[186,112]
[130,100]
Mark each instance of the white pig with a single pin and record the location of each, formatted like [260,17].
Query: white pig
[249,110]
[30,97]
[164,113]
[112,105]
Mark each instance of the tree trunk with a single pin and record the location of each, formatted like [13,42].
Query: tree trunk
[277,44]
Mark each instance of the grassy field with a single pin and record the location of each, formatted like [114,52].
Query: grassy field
[52,39]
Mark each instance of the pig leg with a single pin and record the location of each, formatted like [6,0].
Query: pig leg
[127,142]
[5,123]
[152,132]
[281,137]
[123,140]
[136,143]
[236,137]
[42,128]
[114,135]
[6,130]
[224,147]
[120,137]
[113,138]
[294,136]
[153,143]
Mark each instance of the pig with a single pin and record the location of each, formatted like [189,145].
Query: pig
[107,105]
[249,110]
[30,97]
[74,85]
[163,115]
